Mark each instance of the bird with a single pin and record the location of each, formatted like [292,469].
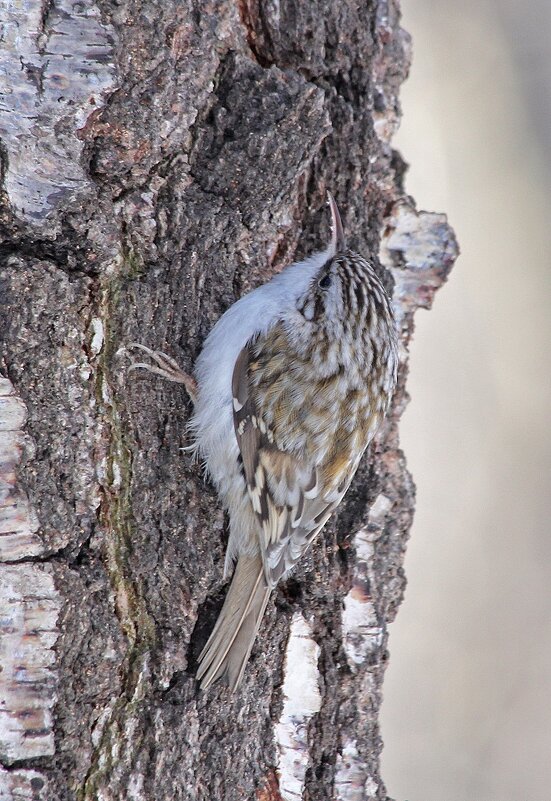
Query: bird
[289,389]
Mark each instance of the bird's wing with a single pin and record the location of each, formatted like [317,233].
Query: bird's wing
[286,491]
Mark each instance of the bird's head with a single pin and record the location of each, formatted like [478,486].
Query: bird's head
[344,295]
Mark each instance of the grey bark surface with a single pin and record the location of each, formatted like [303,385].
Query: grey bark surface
[159,159]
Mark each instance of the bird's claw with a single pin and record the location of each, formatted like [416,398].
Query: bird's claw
[166,367]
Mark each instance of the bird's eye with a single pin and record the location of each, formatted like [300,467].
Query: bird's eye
[325,282]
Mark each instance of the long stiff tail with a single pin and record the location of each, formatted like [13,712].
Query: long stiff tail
[229,646]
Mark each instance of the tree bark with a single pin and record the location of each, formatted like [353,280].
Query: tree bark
[159,159]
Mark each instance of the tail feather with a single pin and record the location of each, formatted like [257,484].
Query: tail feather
[229,646]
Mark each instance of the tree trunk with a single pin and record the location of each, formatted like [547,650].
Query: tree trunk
[160,158]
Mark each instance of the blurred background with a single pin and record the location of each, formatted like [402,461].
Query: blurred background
[467,709]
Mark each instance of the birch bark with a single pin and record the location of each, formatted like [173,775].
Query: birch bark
[158,160]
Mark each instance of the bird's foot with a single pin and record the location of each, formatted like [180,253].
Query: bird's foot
[166,367]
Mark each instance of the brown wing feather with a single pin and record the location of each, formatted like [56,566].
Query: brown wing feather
[290,505]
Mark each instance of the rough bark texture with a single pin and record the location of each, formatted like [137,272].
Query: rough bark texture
[160,158]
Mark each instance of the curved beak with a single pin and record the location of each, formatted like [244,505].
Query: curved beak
[338,241]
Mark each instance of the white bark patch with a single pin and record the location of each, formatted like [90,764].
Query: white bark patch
[362,633]
[24,785]
[57,68]
[419,249]
[97,336]
[18,521]
[302,701]
[352,780]
[29,607]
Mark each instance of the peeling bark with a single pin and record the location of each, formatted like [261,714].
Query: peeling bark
[159,159]
[301,701]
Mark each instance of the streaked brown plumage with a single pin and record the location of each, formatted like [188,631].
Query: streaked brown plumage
[310,388]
